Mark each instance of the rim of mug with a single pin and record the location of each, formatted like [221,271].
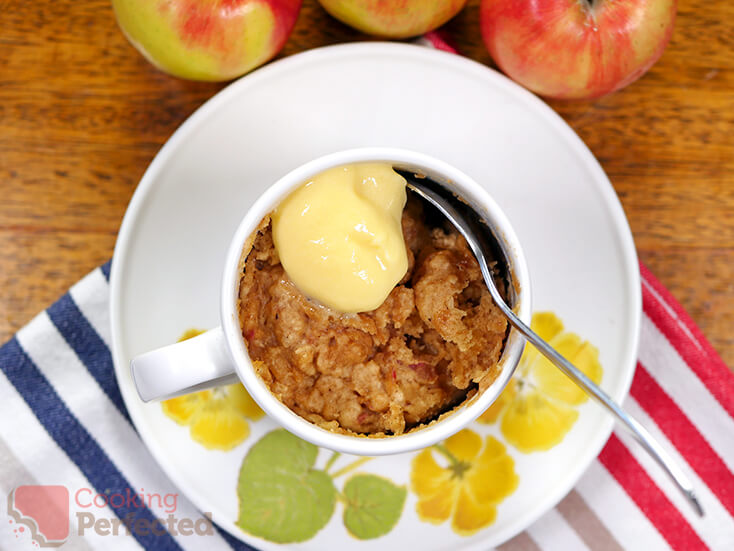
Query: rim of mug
[423,436]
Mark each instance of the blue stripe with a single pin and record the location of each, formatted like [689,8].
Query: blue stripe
[88,346]
[233,542]
[74,439]
[95,355]
[106,269]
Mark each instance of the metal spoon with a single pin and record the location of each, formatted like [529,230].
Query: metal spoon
[450,205]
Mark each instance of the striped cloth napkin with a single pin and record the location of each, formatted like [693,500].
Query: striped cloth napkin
[64,423]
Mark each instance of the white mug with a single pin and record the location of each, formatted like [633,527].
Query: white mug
[220,356]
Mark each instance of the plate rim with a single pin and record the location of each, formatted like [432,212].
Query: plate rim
[321,54]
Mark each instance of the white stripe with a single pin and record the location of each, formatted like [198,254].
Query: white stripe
[615,509]
[552,533]
[716,529]
[10,539]
[683,327]
[91,406]
[687,391]
[42,457]
[91,296]
[423,41]
[15,474]
[7,538]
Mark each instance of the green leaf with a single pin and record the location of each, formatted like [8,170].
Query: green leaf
[282,498]
[374,505]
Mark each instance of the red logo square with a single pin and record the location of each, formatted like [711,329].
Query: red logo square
[44,510]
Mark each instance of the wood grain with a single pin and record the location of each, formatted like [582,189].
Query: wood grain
[82,115]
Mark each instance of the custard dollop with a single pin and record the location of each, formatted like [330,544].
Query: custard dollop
[339,236]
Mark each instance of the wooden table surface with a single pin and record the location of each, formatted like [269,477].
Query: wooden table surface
[82,114]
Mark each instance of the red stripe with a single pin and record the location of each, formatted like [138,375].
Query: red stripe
[684,436]
[625,469]
[438,41]
[687,340]
[694,333]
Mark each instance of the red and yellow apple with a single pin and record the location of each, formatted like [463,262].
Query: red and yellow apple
[576,48]
[393,18]
[207,39]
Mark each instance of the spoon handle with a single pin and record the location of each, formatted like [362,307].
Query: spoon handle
[643,437]
[640,433]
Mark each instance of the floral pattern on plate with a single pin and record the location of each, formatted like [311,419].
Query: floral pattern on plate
[285,497]
[539,405]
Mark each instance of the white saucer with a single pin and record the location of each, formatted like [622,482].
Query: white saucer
[171,247]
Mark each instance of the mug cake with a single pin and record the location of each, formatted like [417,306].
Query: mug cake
[362,309]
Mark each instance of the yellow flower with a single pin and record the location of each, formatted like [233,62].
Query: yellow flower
[469,488]
[537,409]
[217,418]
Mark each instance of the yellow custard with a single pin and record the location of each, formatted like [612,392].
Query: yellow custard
[339,236]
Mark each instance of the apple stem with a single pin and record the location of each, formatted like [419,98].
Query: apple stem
[589,7]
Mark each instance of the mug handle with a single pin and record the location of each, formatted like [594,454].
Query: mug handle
[184,367]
